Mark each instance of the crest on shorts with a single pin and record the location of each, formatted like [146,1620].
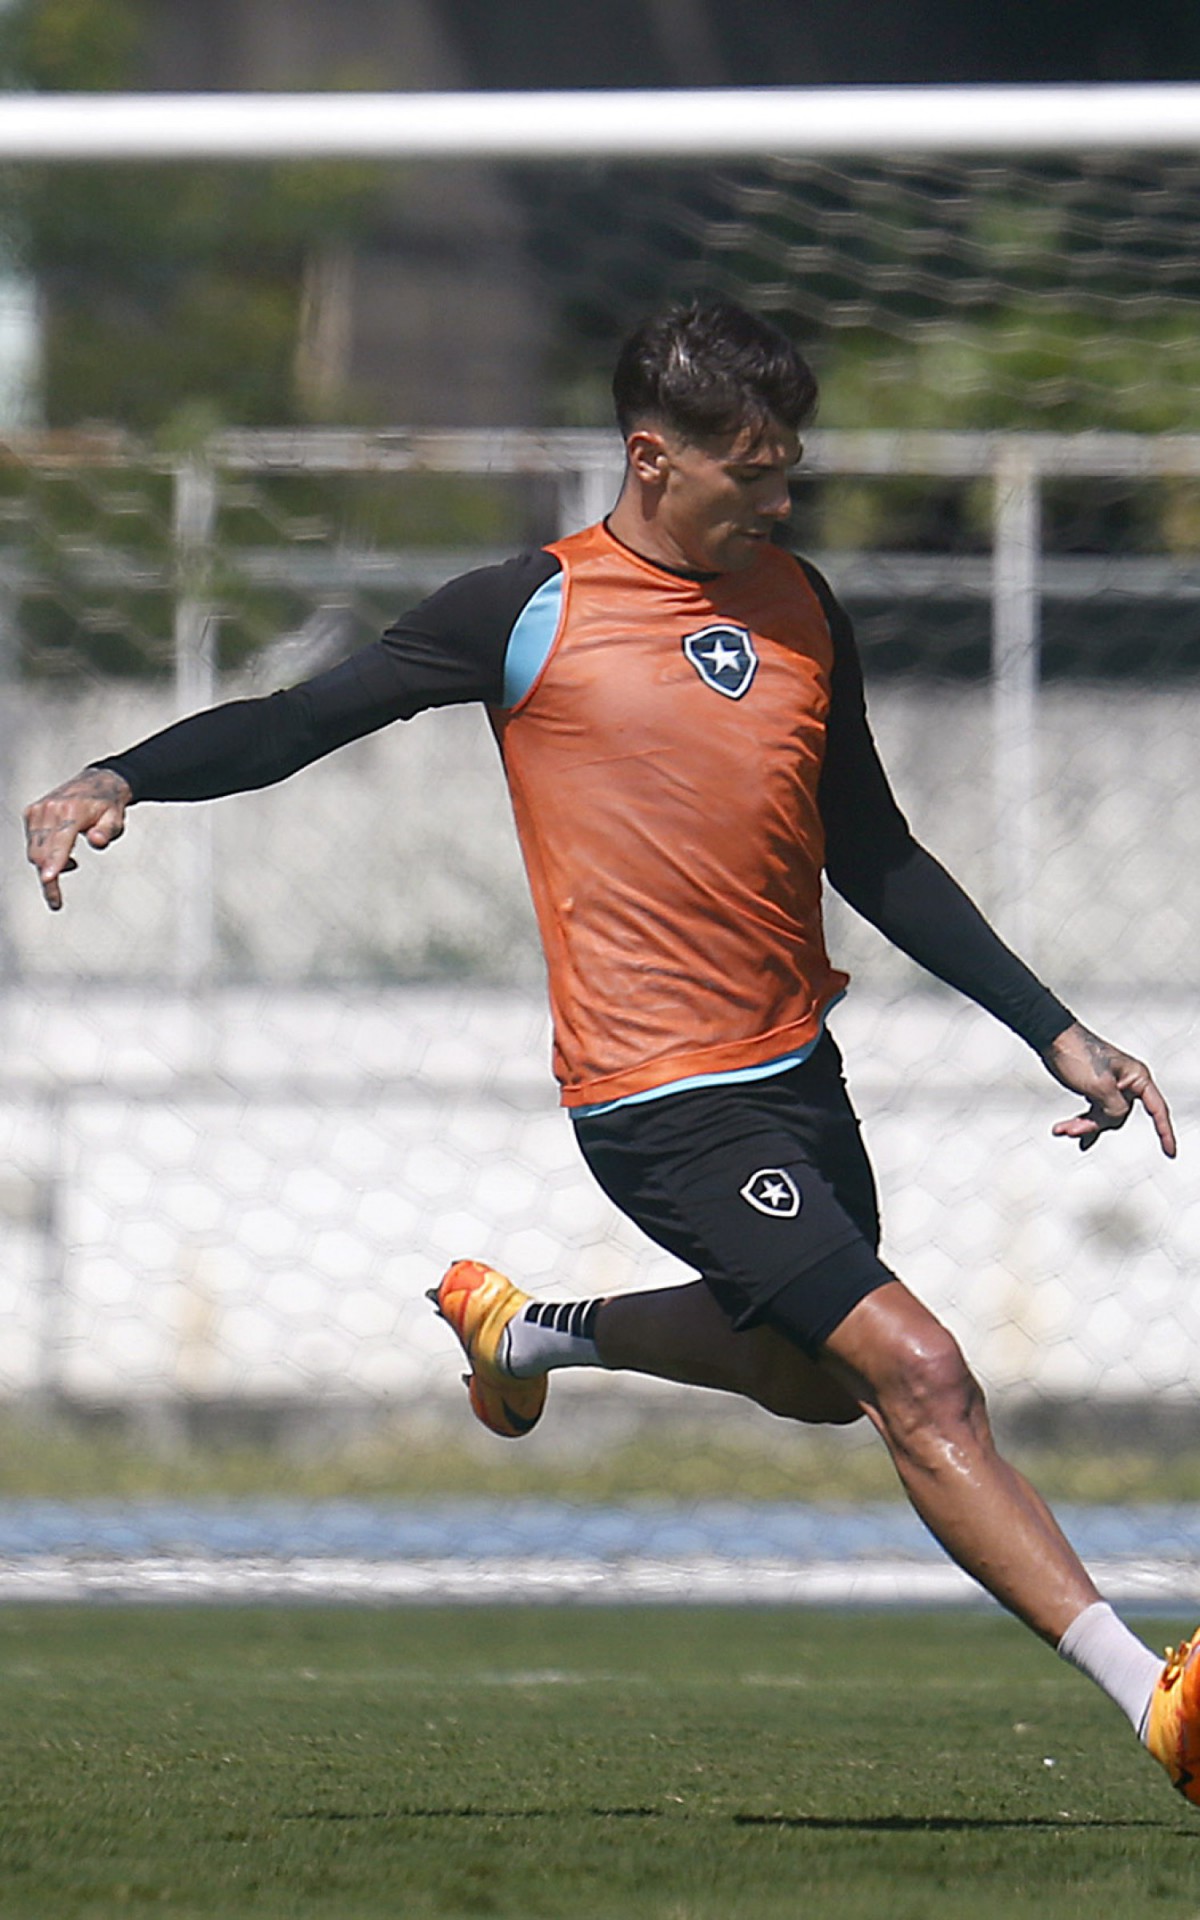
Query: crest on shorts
[773,1192]
[724,657]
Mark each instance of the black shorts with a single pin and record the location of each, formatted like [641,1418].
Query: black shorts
[763,1186]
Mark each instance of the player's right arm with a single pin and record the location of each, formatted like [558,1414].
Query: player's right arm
[92,804]
[448,650]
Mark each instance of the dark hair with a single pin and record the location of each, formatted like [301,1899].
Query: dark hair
[711,368]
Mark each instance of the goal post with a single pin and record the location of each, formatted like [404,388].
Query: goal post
[683,123]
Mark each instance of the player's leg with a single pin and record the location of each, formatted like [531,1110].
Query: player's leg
[683,1169]
[892,1360]
[800,1265]
[813,1279]
[681,1334]
[512,1343]
[908,1374]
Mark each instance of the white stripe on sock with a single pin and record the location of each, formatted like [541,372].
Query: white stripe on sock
[538,1341]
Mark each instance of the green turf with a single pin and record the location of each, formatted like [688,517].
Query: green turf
[613,1765]
[734,1453]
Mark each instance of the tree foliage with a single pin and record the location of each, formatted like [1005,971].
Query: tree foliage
[170,293]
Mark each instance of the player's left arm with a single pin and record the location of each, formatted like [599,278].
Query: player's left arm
[1111,1082]
[879,867]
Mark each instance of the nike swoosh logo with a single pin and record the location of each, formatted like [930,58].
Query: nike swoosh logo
[518,1420]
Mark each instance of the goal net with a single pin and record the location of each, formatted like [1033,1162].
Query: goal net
[284,1057]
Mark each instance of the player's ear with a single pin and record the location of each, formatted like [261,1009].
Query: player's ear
[648,455]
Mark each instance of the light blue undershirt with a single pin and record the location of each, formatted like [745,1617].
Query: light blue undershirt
[528,649]
[531,639]
[733,1076]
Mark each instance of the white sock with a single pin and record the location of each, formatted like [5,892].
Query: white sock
[551,1333]
[1103,1647]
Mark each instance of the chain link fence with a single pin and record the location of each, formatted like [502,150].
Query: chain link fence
[284,1056]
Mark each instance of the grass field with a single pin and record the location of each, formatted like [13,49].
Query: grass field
[676,1458]
[611,1765]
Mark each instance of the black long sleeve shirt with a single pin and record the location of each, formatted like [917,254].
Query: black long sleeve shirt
[452,649]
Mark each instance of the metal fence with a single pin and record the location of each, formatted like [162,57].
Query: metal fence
[245,1113]
[192,563]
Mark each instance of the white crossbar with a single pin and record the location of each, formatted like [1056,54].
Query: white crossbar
[633,125]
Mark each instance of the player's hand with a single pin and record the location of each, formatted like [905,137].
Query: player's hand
[92,804]
[1112,1083]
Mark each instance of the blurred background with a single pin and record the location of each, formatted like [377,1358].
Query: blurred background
[284,1057]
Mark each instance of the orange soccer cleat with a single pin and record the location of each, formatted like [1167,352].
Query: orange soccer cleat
[1173,1736]
[478,1303]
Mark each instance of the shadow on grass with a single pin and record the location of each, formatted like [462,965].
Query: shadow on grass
[476,1813]
[933,1823]
[798,1822]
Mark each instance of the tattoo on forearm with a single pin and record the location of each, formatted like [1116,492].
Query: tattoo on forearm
[103,783]
[1098,1051]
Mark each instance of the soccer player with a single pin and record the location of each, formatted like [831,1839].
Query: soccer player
[679,708]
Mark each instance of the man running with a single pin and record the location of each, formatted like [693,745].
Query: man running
[679,708]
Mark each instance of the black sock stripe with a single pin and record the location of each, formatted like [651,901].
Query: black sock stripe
[575,1319]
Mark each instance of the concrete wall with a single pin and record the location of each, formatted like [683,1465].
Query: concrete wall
[245,1196]
[396,859]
